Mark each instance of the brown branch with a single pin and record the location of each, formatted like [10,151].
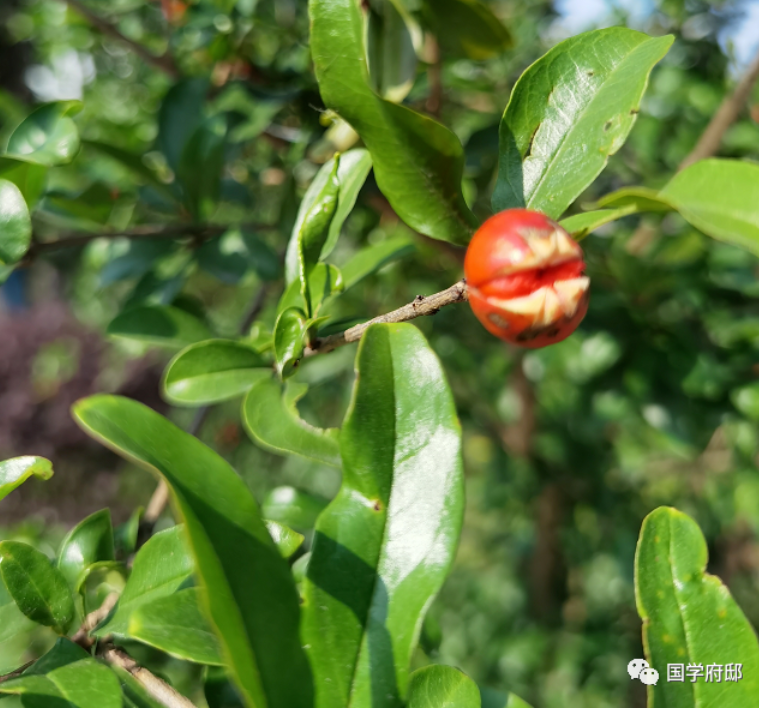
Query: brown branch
[92,620]
[16,672]
[725,116]
[157,689]
[164,62]
[420,307]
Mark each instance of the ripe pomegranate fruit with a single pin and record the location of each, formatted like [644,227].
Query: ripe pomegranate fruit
[525,276]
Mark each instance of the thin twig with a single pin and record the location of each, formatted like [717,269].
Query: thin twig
[164,62]
[435,78]
[156,688]
[16,672]
[725,116]
[92,620]
[421,306]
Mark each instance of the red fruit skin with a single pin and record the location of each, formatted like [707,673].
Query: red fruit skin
[525,277]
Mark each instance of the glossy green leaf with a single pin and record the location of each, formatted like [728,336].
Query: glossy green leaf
[219,691]
[179,116]
[83,684]
[313,233]
[324,281]
[176,625]
[352,172]
[15,224]
[568,113]
[286,540]
[47,136]
[201,164]
[160,568]
[90,541]
[125,535]
[12,620]
[289,340]
[63,653]
[467,28]
[28,177]
[292,507]
[442,687]
[418,163]
[16,471]
[390,51]
[271,418]
[580,225]
[212,371]
[39,589]
[246,586]
[161,326]
[637,199]
[720,198]
[689,616]
[385,544]
[371,258]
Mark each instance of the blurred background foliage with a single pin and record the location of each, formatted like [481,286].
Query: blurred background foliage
[655,401]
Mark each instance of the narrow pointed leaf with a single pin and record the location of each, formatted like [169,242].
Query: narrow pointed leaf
[580,225]
[352,172]
[83,684]
[212,371]
[272,421]
[15,224]
[160,326]
[324,281]
[246,586]
[88,542]
[689,616]
[371,258]
[160,568]
[48,135]
[720,198]
[293,507]
[636,198]
[568,113]
[63,653]
[176,625]
[289,340]
[418,163]
[16,471]
[442,687]
[38,588]
[385,544]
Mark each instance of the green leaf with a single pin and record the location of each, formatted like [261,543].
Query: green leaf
[160,326]
[292,507]
[15,224]
[286,540]
[219,690]
[385,544]
[418,163]
[176,625]
[29,178]
[83,684]
[201,164]
[637,199]
[371,258]
[689,616]
[352,171]
[323,281]
[568,113]
[47,136]
[246,586]
[391,56]
[580,225]
[63,653]
[179,116]
[212,371]
[746,400]
[442,687]
[467,28]
[271,419]
[160,568]
[39,589]
[720,198]
[125,535]
[12,620]
[262,257]
[289,340]
[16,471]
[88,542]
[314,231]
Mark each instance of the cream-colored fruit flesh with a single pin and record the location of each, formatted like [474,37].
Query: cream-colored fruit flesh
[546,249]
[549,303]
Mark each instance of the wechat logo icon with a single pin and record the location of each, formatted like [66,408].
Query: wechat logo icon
[639,669]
